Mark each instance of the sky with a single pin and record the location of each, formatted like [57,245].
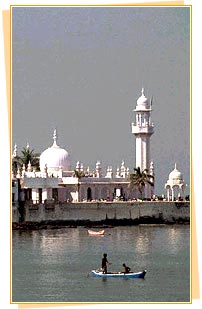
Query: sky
[81,70]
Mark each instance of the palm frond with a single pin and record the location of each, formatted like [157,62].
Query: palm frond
[139,179]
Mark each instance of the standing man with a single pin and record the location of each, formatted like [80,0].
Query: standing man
[104,263]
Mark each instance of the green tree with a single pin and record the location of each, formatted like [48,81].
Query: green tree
[139,179]
[29,156]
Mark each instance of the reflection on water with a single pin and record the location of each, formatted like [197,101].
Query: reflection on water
[52,265]
[176,240]
[143,241]
[57,240]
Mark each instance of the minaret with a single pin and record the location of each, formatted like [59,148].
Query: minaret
[15,152]
[98,169]
[143,129]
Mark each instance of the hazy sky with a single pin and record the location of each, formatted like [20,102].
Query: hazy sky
[81,70]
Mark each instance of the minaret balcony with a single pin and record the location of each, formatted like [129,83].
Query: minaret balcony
[142,109]
[142,129]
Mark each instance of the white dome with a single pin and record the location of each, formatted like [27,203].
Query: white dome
[142,101]
[55,157]
[175,174]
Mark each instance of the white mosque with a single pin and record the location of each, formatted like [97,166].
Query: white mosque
[57,181]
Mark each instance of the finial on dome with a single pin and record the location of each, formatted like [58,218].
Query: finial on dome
[142,90]
[175,166]
[55,137]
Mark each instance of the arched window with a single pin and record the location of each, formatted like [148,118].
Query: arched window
[55,194]
[89,194]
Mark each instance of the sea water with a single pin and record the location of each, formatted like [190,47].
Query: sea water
[54,265]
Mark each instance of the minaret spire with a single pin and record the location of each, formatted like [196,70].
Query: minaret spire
[55,137]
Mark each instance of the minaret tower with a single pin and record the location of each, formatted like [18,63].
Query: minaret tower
[143,128]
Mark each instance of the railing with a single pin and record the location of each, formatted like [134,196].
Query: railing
[136,129]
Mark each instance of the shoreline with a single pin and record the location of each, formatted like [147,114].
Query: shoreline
[107,223]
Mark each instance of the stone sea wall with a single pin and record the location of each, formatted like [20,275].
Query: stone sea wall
[103,213]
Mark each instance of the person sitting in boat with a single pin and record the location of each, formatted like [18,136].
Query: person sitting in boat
[104,263]
[126,269]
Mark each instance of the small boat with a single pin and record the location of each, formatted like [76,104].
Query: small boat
[98,273]
[96,233]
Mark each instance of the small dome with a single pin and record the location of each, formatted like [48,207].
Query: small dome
[175,174]
[142,101]
[55,157]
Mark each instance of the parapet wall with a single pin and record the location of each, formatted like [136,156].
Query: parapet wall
[162,212]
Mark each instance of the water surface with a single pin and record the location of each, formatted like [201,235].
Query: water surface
[54,265]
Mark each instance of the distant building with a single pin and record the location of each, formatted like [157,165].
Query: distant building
[57,181]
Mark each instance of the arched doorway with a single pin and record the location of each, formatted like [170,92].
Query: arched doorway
[40,195]
[89,194]
[118,193]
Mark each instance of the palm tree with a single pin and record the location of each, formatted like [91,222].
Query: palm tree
[139,179]
[78,174]
[29,156]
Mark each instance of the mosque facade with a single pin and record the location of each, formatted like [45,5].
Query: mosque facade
[57,181]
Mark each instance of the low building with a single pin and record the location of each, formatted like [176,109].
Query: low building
[57,181]
[175,185]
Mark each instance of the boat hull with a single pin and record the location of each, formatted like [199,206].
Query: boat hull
[119,275]
[94,233]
